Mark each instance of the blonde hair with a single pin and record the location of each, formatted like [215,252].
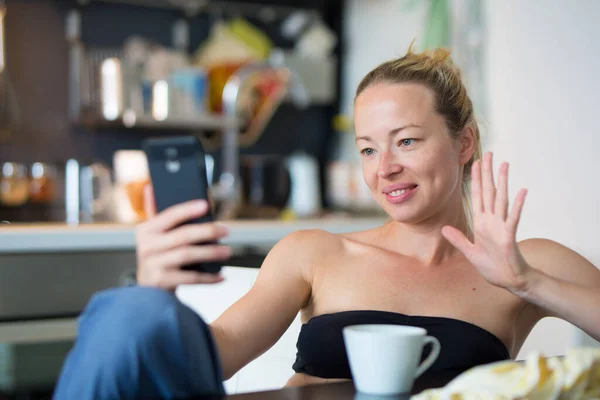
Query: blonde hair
[435,70]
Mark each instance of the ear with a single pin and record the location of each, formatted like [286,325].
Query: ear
[466,142]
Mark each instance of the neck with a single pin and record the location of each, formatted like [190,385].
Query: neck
[424,241]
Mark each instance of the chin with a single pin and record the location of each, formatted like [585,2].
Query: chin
[411,212]
[405,215]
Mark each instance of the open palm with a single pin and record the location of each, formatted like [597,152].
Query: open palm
[494,251]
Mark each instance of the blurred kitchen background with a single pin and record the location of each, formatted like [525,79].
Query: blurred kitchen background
[85,80]
[82,83]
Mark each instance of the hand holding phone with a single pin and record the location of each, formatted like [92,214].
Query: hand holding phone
[183,235]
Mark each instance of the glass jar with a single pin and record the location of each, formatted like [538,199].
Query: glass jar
[14,184]
[42,183]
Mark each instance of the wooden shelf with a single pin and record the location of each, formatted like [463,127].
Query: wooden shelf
[199,122]
[193,122]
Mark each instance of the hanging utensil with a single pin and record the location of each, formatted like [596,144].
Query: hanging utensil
[9,112]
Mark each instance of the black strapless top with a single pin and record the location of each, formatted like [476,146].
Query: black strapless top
[321,351]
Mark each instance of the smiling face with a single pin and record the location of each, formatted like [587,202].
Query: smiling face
[410,162]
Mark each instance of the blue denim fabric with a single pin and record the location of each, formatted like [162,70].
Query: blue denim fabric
[140,342]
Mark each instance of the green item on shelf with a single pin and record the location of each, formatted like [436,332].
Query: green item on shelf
[251,36]
[437,25]
[437,31]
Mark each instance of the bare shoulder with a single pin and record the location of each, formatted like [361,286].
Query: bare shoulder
[559,261]
[310,241]
[306,247]
[371,237]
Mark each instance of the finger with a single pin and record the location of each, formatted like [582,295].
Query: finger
[488,187]
[457,239]
[515,212]
[476,201]
[190,234]
[149,204]
[188,255]
[501,207]
[177,215]
[172,278]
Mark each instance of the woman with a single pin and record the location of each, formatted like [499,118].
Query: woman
[463,277]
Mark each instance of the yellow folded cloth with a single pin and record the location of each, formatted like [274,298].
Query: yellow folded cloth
[574,376]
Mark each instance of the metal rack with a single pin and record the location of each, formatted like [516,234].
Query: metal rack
[85,104]
[85,100]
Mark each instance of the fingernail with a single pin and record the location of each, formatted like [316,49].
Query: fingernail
[223,230]
[227,251]
[202,205]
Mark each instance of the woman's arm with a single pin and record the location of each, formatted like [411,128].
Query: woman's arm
[552,277]
[562,283]
[255,322]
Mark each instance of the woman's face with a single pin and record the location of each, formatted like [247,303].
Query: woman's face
[409,161]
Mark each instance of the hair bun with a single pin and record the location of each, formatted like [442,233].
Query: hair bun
[436,56]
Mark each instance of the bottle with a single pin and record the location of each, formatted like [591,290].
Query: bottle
[347,189]
[305,196]
[345,160]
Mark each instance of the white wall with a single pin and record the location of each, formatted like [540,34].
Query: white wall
[384,31]
[541,66]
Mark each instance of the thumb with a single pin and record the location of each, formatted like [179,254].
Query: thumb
[149,204]
[457,239]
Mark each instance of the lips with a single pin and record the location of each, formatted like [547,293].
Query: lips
[398,186]
[399,193]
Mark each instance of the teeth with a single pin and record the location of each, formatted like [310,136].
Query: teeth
[397,193]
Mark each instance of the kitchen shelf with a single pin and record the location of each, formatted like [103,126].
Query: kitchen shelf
[56,237]
[315,76]
[195,122]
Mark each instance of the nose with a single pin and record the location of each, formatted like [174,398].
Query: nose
[388,165]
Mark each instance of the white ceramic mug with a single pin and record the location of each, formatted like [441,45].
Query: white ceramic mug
[384,359]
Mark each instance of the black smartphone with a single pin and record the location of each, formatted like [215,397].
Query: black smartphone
[178,174]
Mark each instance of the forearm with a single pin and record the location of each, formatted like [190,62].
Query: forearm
[575,303]
[225,346]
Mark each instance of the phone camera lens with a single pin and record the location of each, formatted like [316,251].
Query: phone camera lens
[171,152]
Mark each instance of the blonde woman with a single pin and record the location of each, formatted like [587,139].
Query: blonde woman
[443,262]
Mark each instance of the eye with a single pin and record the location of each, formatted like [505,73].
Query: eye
[367,152]
[406,142]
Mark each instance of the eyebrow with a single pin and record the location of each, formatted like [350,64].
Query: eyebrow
[393,132]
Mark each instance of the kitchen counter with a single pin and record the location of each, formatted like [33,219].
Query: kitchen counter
[61,266]
[34,238]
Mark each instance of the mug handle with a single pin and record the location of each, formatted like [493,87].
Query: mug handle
[435,352]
